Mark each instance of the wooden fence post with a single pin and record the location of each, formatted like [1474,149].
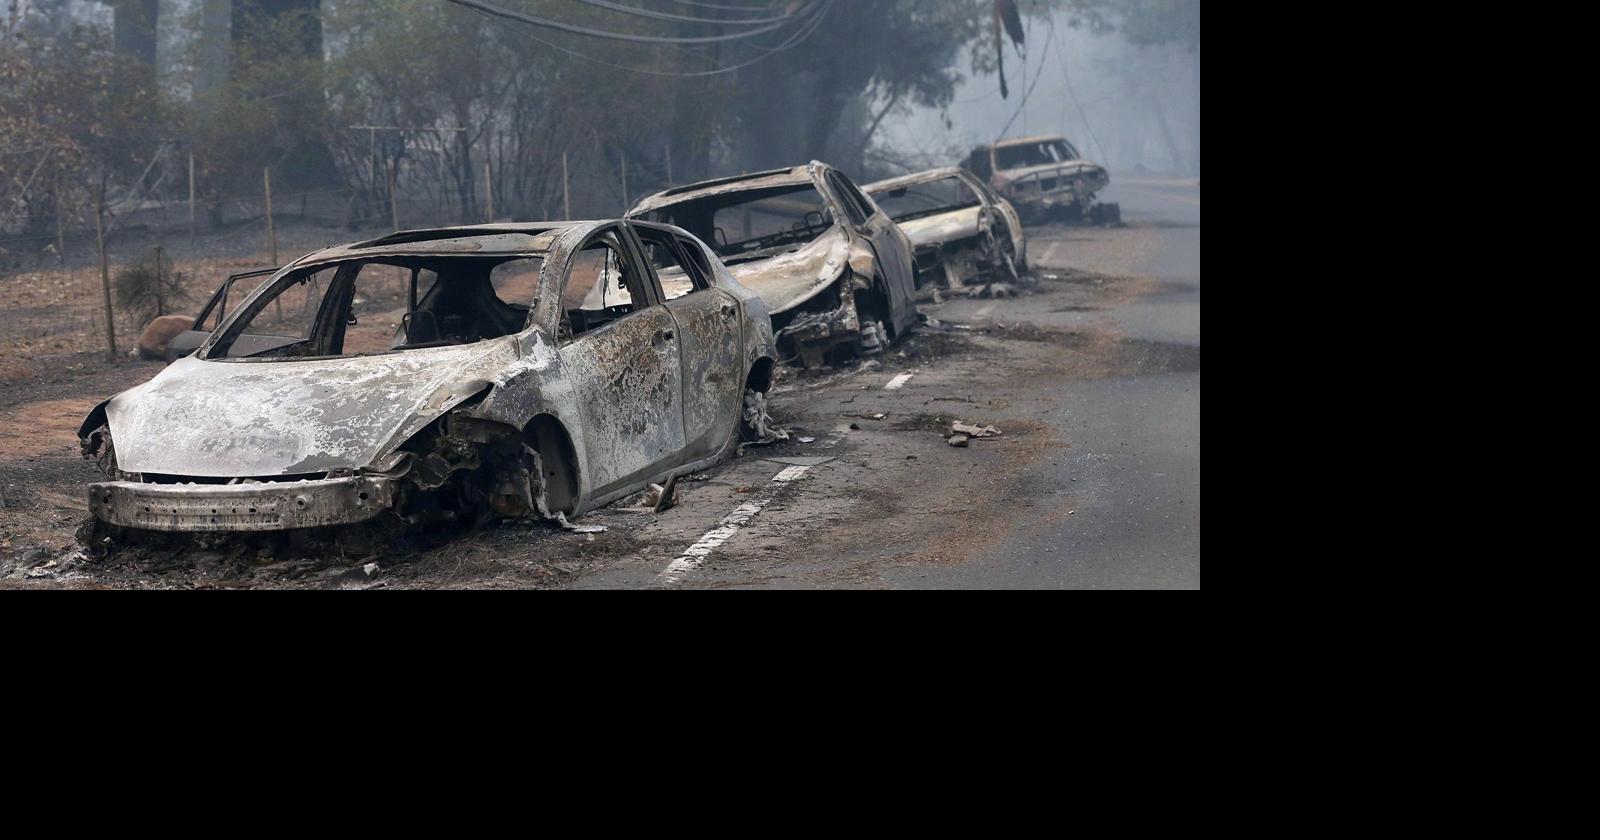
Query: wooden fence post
[488,189]
[105,272]
[272,233]
[191,195]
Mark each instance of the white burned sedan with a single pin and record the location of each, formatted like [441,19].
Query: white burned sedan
[957,227]
[449,374]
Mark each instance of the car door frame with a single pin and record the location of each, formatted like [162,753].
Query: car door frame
[667,460]
[730,309]
[882,236]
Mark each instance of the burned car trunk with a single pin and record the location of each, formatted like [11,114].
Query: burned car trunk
[960,230]
[836,272]
[448,375]
[1045,178]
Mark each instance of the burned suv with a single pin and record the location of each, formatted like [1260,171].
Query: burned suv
[445,375]
[835,269]
[1045,178]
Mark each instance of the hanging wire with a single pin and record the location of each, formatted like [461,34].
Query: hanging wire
[1029,92]
[718,6]
[531,20]
[655,15]
[1062,62]
[800,35]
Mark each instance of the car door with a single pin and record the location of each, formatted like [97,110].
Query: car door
[1009,215]
[709,338]
[891,245]
[215,310]
[620,344]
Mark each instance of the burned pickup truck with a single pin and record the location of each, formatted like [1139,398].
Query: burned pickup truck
[961,231]
[445,375]
[1046,179]
[836,271]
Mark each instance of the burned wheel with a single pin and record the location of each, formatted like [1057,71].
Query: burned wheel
[874,338]
[753,417]
[1106,214]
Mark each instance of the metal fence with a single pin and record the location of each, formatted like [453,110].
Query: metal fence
[51,300]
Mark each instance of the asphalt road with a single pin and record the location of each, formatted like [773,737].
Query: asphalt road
[1135,465]
[1093,484]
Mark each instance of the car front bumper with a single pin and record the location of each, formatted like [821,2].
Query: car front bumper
[256,506]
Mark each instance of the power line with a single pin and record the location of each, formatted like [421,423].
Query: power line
[1062,63]
[799,36]
[715,6]
[651,13]
[1029,92]
[531,20]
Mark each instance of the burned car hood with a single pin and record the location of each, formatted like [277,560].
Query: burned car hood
[1067,167]
[788,280]
[225,419]
[943,227]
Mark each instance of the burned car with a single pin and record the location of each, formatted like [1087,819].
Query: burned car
[1045,178]
[445,375]
[958,228]
[837,273]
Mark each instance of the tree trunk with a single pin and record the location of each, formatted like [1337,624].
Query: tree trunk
[133,34]
[215,40]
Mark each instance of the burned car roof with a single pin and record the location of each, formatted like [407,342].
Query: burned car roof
[914,178]
[1023,141]
[753,181]
[512,237]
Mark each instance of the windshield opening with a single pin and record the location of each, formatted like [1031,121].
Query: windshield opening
[363,307]
[1034,154]
[918,200]
[750,222]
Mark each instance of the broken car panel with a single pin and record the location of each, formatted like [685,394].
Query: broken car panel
[1044,177]
[836,271]
[450,374]
[958,228]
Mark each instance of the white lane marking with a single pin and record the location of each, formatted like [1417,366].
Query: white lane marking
[838,435]
[1050,253]
[696,554]
[983,310]
[898,382]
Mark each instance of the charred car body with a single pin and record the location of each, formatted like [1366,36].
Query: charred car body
[451,374]
[1045,178]
[836,271]
[958,228]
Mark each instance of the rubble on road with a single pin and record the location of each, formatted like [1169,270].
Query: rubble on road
[970,430]
[959,441]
